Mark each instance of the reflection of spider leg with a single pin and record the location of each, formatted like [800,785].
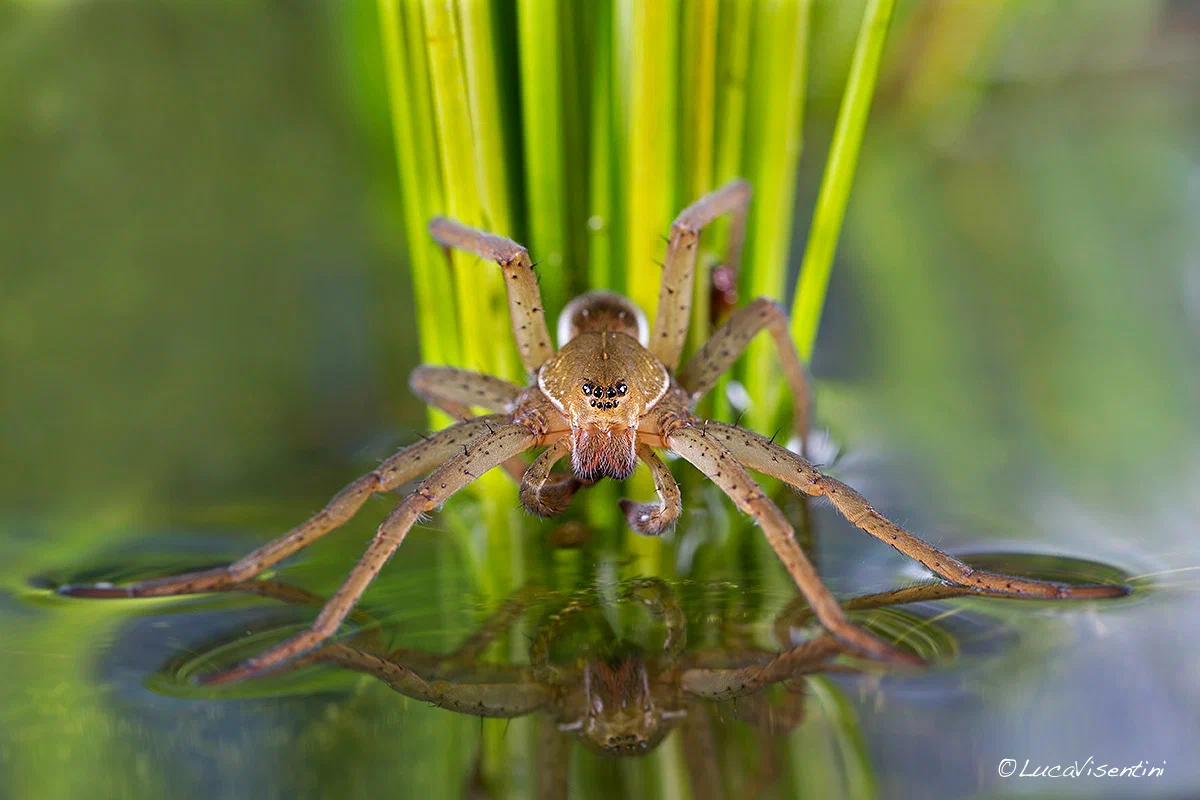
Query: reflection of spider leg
[548,631]
[778,717]
[499,623]
[761,455]
[796,613]
[483,453]
[507,698]
[654,518]
[712,458]
[554,760]
[726,683]
[657,595]
[679,266]
[545,493]
[701,755]
[395,471]
[367,639]
[714,359]
[524,297]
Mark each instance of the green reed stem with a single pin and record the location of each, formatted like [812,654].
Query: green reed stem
[420,184]
[603,181]
[778,71]
[697,136]
[839,174]
[649,124]
[542,111]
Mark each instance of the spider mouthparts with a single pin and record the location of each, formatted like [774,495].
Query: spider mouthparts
[599,453]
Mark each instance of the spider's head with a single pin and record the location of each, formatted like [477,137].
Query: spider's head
[620,714]
[603,382]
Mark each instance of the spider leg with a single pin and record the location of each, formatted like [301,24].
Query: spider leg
[504,699]
[718,354]
[679,266]
[797,613]
[368,639]
[761,455]
[482,454]
[544,493]
[524,297]
[712,458]
[455,391]
[395,471]
[652,519]
[460,389]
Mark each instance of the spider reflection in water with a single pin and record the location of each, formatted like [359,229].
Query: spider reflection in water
[615,696]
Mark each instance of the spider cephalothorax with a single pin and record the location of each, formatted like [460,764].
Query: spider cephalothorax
[609,398]
[603,382]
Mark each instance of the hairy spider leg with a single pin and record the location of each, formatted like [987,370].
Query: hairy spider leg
[653,518]
[711,361]
[671,320]
[524,298]
[482,454]
[402,467]
[712,458]
[455,391]
[796,613]
[763,456]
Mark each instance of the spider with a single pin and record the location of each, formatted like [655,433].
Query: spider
[609,397]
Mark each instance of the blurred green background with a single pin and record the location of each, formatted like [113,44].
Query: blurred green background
[206,326]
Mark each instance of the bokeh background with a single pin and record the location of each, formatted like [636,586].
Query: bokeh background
[206,324]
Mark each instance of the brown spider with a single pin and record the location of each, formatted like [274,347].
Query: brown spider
[608,397]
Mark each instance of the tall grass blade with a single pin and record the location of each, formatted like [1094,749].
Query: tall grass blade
[778,71]
[839,174]
[538,23]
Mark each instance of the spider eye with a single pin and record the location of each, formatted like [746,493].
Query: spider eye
[622,388]
[611,392]
[587,388]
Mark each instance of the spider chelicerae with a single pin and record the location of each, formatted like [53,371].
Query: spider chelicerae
[610,396]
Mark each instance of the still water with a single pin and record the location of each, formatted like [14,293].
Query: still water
[99,690]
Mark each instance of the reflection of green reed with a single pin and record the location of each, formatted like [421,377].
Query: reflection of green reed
[580,129]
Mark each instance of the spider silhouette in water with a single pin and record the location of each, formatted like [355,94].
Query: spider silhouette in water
[618,694]
[611,395]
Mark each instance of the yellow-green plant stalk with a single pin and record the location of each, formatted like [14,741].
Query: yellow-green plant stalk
[776,121]
[839,174]
[581,130]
